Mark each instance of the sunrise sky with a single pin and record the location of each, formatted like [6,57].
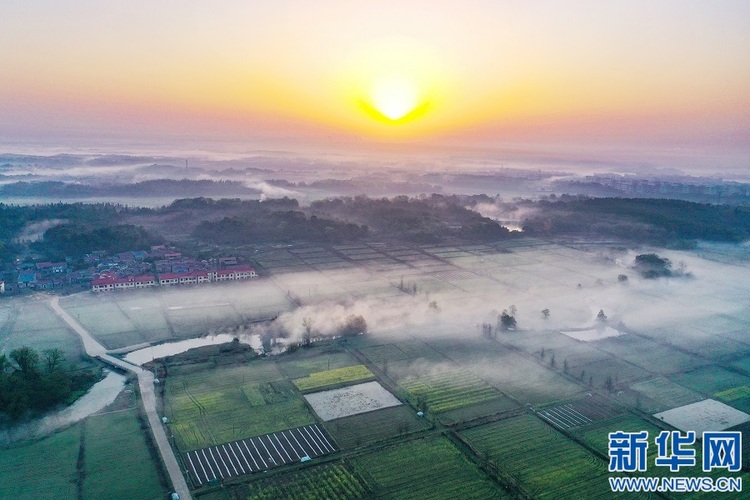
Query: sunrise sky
[639,74]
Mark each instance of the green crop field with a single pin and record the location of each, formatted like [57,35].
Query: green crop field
[323,482]
[227,403]
[739,397]
[448,390]
[315,359]
[481,409]
[380,425]
[711,379]
[41,469]
[425,468]
[116,463]
[662,394]
[117,460]
[337,376]
[541,460]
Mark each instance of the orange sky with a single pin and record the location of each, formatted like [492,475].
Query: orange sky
[631,72]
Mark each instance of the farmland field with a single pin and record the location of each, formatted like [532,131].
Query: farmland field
[351,400]
[425,468]
[32,323]
[117,460]
[25,473]
[116,463]
[316,483]
[711,379]
[544,462]
[211,407]
[314,359]
[337,376]
[380,424]
[448,390]
[663,394]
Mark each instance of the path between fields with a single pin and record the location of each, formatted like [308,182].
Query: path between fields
[146,385]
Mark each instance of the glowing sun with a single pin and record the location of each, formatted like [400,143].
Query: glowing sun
[394,97]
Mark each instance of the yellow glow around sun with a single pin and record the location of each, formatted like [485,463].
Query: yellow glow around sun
[395,81]
[394,97]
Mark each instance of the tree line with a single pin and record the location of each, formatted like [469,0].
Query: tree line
[31,383]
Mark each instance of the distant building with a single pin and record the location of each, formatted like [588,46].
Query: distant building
[27,279]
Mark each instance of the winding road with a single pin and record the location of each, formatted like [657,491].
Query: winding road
[148,396]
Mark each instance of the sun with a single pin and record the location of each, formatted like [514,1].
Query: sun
[394,97]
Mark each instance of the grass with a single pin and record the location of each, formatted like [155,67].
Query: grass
[543,461]
[324,482]
[117,460]
[41,469]
[425,468]
[448,390]
[380,425]
[223,404]
[337,376]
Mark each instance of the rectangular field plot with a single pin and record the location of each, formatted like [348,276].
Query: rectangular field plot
[521,378]
[33,324]
[662,394]
[337,376]
[325,481]
[439,392]
[379,424]
[352,400]
[706,415]
[312,360]
[27,473]
[578,413]
[544,462]
[117,459]
[257,454]
[593,334]
[711,379]
[225,404]
[427,468]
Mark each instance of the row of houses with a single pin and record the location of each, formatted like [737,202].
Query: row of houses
[107,283]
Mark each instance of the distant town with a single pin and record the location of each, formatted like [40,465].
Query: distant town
[162,265]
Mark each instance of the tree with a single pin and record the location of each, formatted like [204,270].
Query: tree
[601,317]
[608,383]
[26,358]
[507,322]
[651,266]
[353,326]
[622,278]
[545,313]
[307,337]
[53,359]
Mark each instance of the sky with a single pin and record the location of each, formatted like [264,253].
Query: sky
[633,75]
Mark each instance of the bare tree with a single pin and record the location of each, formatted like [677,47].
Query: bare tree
[53,359]
[307,323]
[545,313]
